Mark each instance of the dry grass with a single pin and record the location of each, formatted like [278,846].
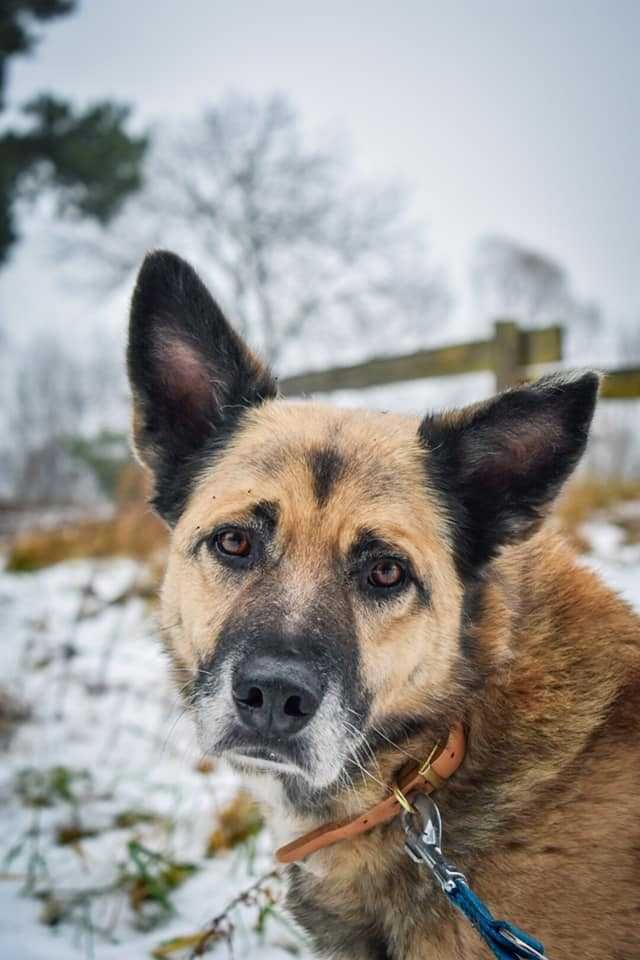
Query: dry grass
[586,496]
[132,531]
[236,823]
[12,713]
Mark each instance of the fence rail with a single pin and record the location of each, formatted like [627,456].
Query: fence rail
[621,384]
[509,355]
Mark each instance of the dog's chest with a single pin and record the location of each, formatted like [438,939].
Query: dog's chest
[391,912]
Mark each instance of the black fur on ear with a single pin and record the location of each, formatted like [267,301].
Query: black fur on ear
[192,377]
[498,465]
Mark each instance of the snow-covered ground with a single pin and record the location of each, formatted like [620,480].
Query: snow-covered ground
[80,650]
[107,742]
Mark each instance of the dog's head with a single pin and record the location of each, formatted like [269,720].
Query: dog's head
[319,557]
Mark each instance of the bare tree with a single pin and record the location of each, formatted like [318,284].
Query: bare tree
[629,342]
[511,280]
[54,396]
[295,250]
[530,287]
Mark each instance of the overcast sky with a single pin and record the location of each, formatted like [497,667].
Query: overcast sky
[513,116]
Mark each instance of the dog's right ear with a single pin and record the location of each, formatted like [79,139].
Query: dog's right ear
[191,375]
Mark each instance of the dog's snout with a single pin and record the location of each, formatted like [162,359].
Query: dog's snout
[275,696]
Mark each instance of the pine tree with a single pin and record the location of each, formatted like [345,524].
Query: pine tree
[86,157]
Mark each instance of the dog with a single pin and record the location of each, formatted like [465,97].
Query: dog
[344,587]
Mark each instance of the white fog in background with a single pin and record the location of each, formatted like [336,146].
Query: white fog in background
[517,120]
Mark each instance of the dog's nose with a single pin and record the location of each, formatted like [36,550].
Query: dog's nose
[275,696]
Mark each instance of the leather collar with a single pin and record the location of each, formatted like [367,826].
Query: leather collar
[430,776]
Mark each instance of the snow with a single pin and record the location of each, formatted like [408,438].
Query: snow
[617,562]
[416,396]
[89,665]
[80,648]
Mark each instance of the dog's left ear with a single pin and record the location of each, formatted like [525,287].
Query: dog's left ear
[192,376]
[498,465]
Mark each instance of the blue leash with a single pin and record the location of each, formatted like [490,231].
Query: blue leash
[505,941]
[423,845]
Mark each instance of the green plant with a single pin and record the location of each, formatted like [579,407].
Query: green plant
[263,895]
[106,455]
[149,879]
[35,861]
[129,818]
[58,784]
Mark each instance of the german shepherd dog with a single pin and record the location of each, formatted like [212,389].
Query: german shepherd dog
[343,586]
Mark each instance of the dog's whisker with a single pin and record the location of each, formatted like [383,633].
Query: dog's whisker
[185,686]
[206,673]
[349,781]
[396,746]
[380,733]
[357,762]
[345,781]
[367,773]
[174,724]
[363,741]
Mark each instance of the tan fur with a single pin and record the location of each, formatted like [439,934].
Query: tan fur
[543,814]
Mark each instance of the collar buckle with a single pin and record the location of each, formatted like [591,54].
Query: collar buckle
[402,800]
[427,772]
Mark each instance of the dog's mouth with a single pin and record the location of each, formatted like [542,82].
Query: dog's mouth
[252,755]
[262,754]
[255,760]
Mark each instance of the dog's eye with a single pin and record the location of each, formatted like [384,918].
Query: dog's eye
[385,574]
[232,543]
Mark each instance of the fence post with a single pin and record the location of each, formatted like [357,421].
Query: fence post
[506,343]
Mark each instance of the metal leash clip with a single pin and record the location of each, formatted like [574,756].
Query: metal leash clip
[423,840]
[526,950]
[423,843]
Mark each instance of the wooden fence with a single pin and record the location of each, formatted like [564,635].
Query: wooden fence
[509,355]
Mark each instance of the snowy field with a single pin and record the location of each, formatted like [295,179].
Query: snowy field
[107,751]
[106,806]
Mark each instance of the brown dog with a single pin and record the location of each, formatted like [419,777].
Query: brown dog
[343,587]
